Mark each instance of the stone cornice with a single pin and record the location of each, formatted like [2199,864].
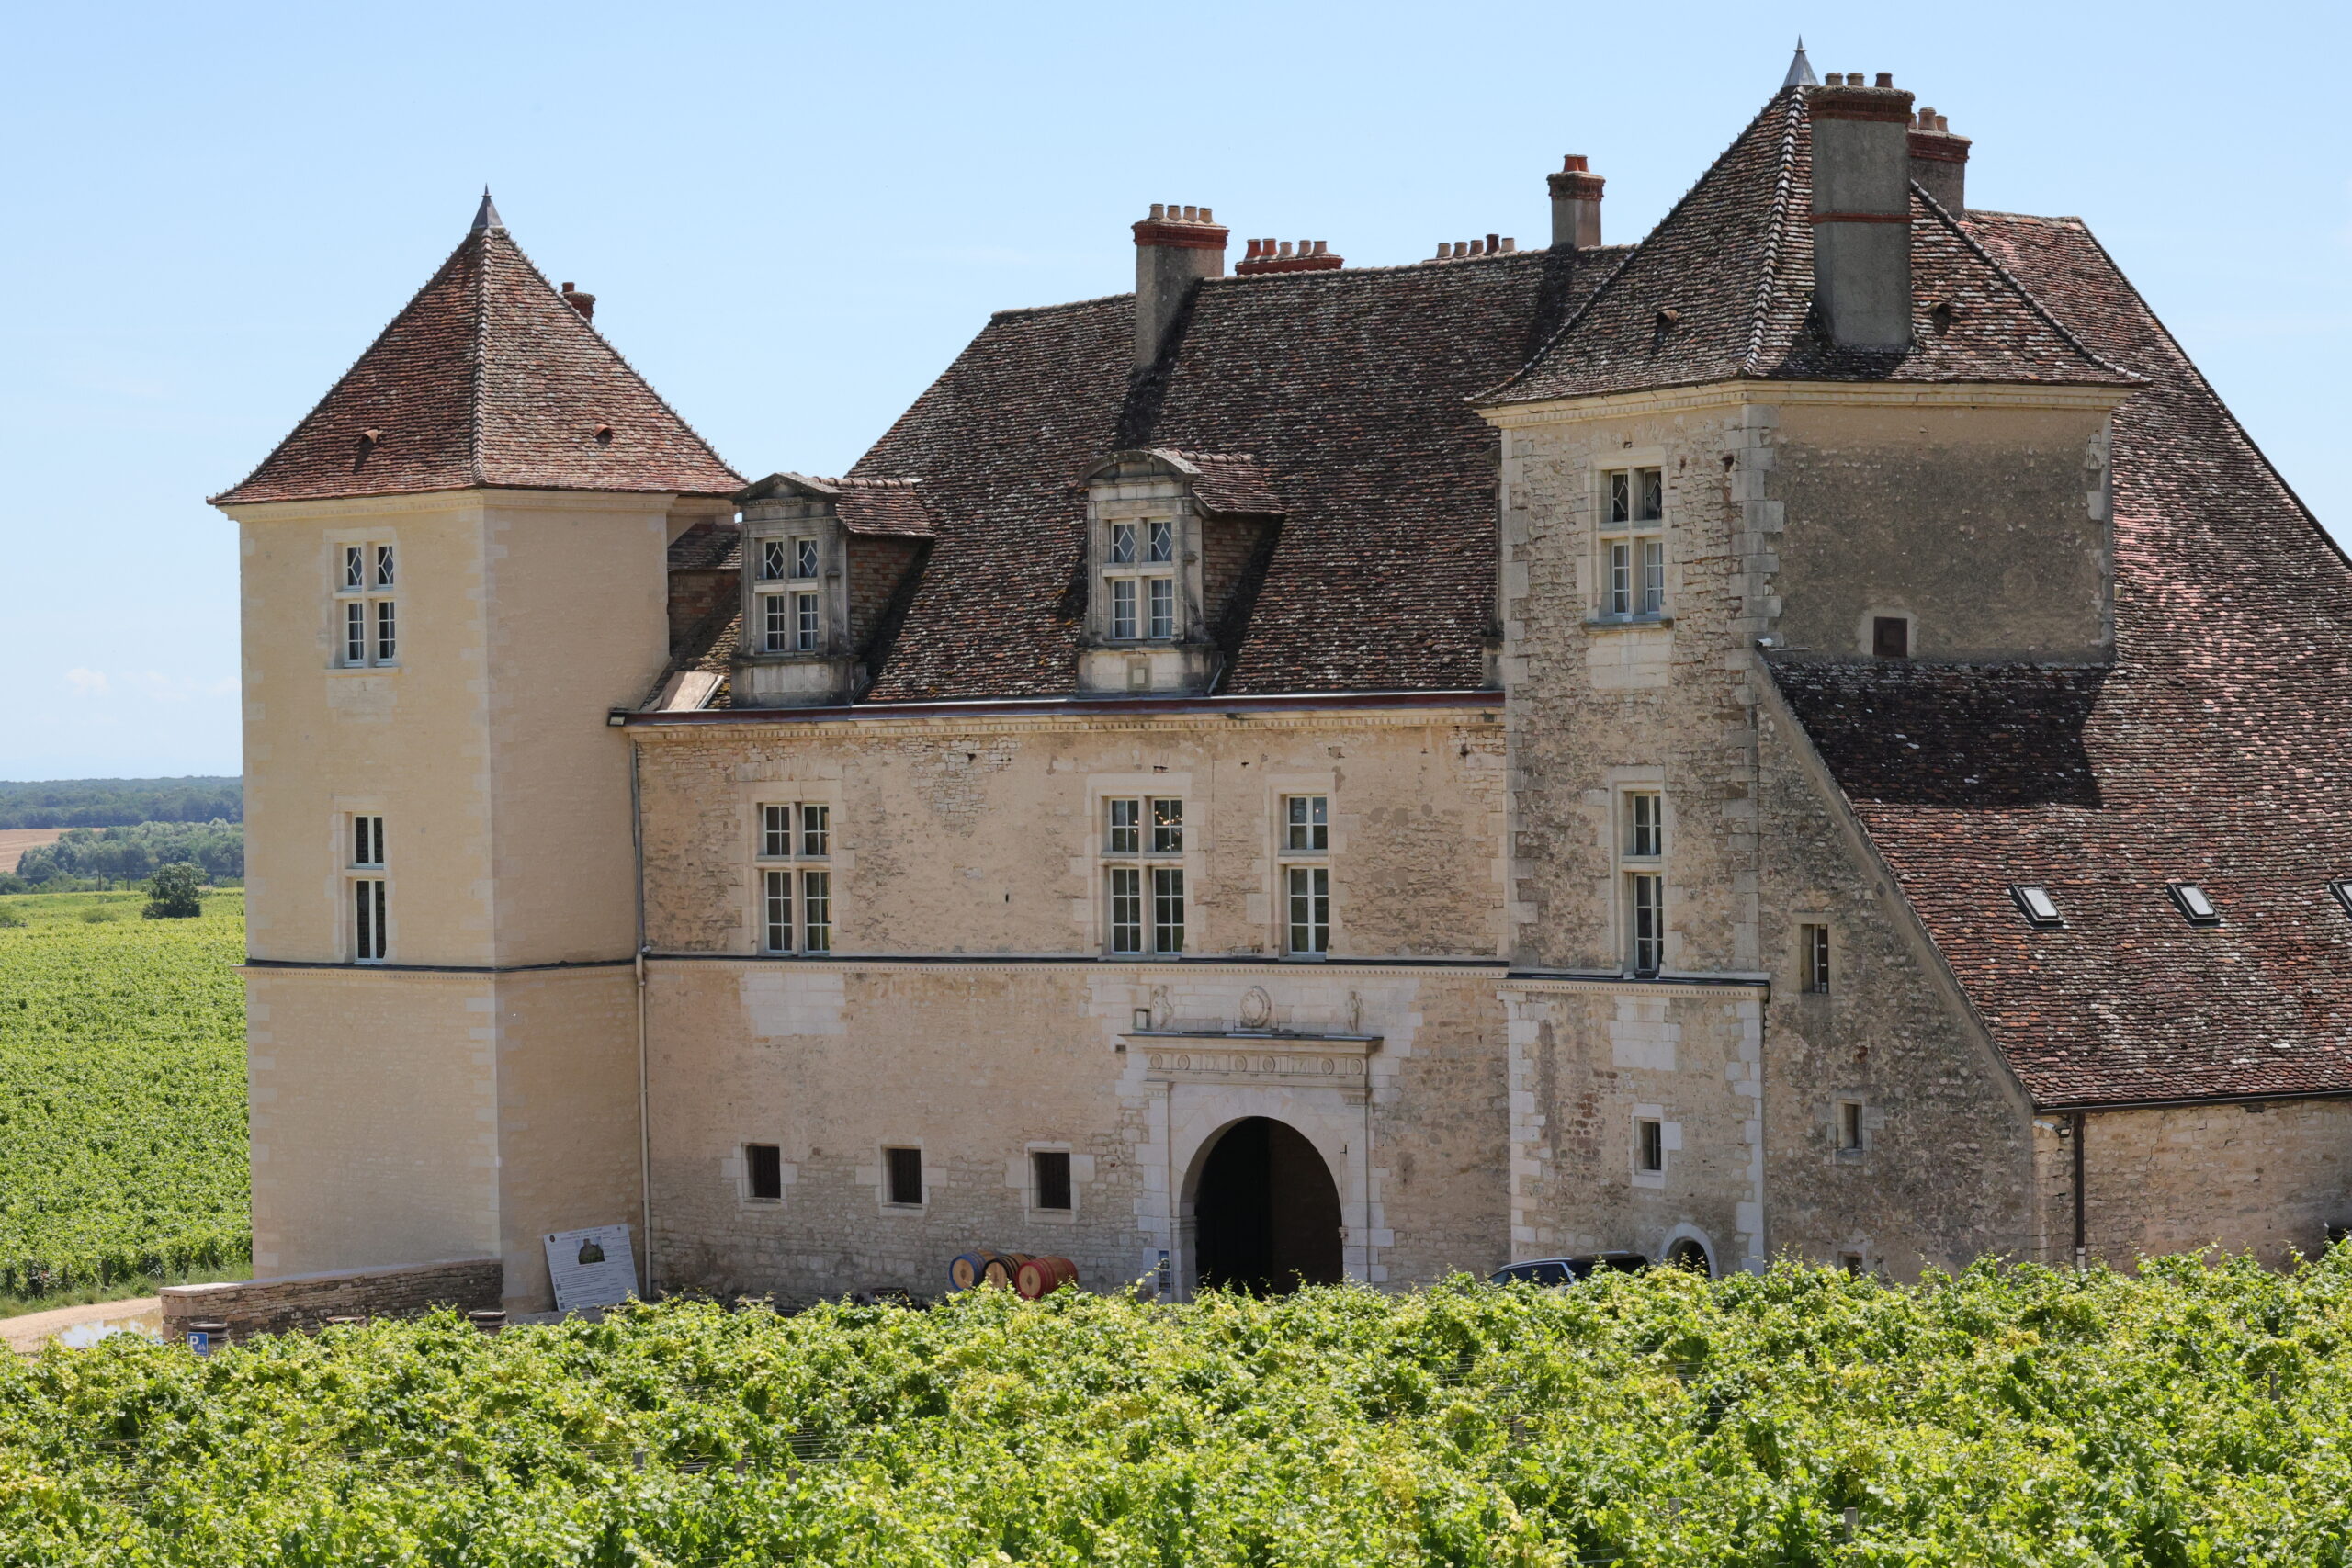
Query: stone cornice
[472,500]
[1855,394]
[1308,711]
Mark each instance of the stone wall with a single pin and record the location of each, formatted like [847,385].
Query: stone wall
[306,1301]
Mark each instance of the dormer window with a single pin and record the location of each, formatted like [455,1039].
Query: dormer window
[1141,575]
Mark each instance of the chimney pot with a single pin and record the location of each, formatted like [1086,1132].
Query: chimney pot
[1155,211]
[1322,247]
[1494,244]
[1943,125]
[1206,217]
[583,303]
[1284,249]
[1510,244]
[1885,79]
[1443,250]
[1574,163]
[1939,161]
[1191,215]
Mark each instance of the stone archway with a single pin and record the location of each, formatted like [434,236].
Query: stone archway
[1266,1211]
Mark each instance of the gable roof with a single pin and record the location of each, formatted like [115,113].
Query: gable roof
[1347,392]
[2217,751]
[487,378]
[1733,263]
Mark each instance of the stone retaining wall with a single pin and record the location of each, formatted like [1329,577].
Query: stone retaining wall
[305,1301]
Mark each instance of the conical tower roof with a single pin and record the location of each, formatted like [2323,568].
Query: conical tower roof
[487,378]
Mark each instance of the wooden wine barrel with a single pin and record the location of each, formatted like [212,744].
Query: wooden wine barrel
[1043,1276]
[1001,1267]
[964,1269]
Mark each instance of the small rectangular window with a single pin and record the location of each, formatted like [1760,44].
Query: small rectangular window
[773,560]
[1645,899]
[1645,824]
[1123,608]
[816,831]
[1620,578]
[764,1163]
[776,623]
[805,624]
[777,911]
[1650,595]
[387,642]
[1307,828]
[1890,636]
[1850,1126]
[355,567]
[775,832]
[1167,826]
[1049,1178]
[804,558]
[1163,607]
[1649,1146]
[815,911]
[1126,909]
[2039,909]
[1162,543]
[1813,957]
[1123,543]
[905,1175]
[1126,827]
[355,633]
[1310,908]
[1167,909]
[2194,906]
[369,920]
[383,565]
[367,840]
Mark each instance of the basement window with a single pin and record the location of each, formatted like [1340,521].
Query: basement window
[2035,902]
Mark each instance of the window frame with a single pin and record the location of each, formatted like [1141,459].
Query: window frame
[371,906]
[794,885]
[1641,842]
[1630,555]
[1038,1186]
[367,633]
[1141,850]
[750,1156]
[1143,602]
[1813,958]
[1848,1131]
[892,1168]
[1649,1145]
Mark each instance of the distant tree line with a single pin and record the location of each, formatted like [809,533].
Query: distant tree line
[119,803]
[93,855]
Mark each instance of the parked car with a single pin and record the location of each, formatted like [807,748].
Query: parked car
[1568,1270]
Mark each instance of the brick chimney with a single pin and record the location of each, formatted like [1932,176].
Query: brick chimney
[1175,248]
[583,303]
[1939,161]
[1861,210]
[1576,205]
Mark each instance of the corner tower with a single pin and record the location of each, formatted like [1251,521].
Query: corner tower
[451,571]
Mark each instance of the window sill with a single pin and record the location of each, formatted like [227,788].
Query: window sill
[1053,1216]
[1626,623]
[363,669]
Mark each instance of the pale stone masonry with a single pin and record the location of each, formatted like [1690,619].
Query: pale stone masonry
[1814,735]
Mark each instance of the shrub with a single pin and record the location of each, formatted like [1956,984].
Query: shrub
[9,920]
[98,915]
[175,893]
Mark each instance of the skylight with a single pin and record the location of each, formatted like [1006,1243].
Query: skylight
[2343,891]
[2191,901]
[2039,906]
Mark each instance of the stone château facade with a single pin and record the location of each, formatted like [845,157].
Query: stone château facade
[1812,734]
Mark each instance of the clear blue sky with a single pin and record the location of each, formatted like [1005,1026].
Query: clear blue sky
[793,216]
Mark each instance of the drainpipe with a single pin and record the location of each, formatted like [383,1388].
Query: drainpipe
[2076,1124]
[644,1099]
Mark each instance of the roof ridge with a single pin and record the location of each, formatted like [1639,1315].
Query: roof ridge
[1592,302]
[2032,301]
[481,365]
[1783,184]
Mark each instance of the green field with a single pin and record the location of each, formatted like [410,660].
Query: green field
[122,1093]
[2193,1416]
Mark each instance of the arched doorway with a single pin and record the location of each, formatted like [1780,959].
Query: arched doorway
[1266,1212]
[1688,1254]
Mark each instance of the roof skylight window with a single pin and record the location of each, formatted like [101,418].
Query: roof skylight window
[2343,891]
[2034,900]
[2191,901]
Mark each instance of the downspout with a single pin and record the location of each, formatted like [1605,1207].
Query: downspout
[2078,1121]
[644,1097]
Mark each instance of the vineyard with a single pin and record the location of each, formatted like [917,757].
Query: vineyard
[2195,1414]
[122,1091]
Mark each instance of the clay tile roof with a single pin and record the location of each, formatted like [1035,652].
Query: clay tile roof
[2218,751]
[487,377]
[708,547]
[1347,390]
[1722,289]
[890,507]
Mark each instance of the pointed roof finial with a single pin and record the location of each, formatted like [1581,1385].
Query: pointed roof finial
[486,216]
[1800,70]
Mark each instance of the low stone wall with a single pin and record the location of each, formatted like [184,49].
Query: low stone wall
[305,1301]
